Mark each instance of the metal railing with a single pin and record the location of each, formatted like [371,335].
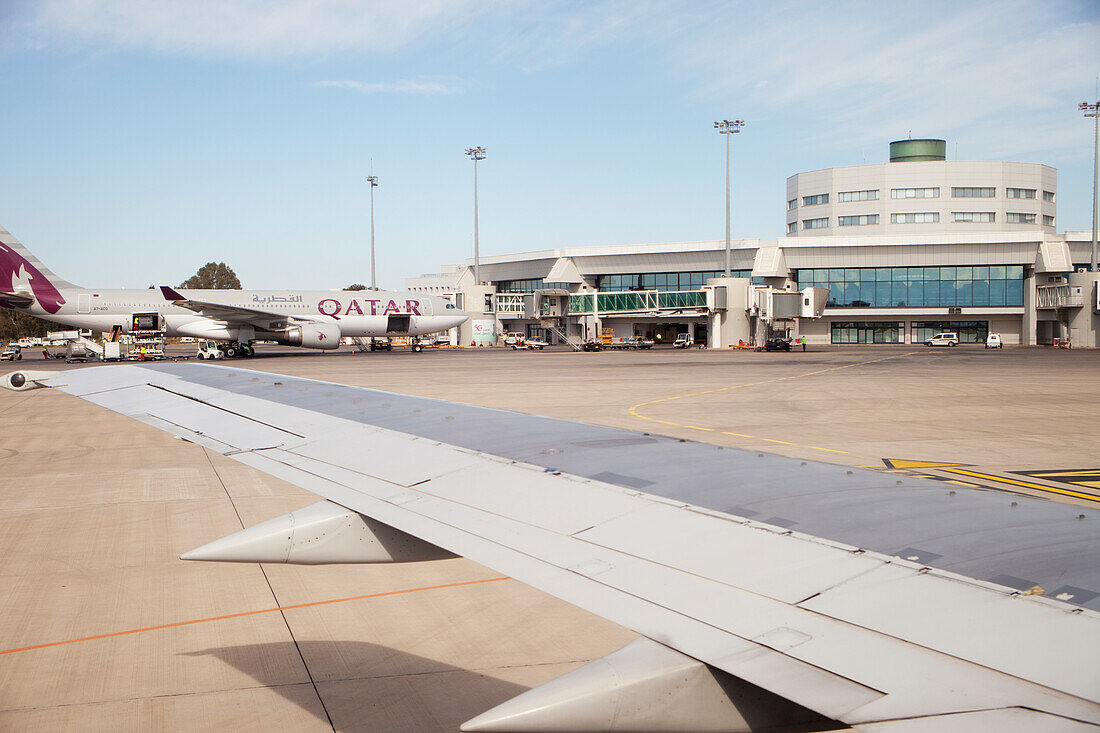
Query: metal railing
[1059,296]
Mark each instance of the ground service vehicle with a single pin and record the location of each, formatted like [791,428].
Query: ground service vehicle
[209,350]
[530,344]
[682,341]
[947,338]
[11,352]
[993,341]
[777,344]
[112,351]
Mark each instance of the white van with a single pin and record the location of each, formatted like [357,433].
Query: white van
[947,338]
[993,341]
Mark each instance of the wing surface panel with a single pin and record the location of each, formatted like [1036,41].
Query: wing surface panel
[977,533]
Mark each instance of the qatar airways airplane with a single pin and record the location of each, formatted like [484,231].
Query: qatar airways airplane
[309,318]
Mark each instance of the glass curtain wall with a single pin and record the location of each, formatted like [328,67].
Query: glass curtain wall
[529,286]
[970,332]
[661,280]
[919,287]
[869,332]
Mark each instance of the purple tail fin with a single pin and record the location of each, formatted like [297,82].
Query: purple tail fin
[21,272]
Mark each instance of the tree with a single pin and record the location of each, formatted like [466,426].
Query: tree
[16,324]
[356,286]
[213,276]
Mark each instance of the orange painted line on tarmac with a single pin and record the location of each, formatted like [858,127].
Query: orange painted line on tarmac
[250,613]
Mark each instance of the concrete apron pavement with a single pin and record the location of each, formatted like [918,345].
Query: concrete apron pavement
[102,627]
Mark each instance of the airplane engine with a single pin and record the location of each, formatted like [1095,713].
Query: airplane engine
[22,381]
[312,336]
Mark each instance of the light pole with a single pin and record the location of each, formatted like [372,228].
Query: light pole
[476,154]
[1093,111]
[373,181]
[727,128]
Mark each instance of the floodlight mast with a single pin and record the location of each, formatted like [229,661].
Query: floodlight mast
[1093,111]
[727,128]
[373,181]
[476,154]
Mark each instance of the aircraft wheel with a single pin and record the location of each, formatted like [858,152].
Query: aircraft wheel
[417,348]
[19,357]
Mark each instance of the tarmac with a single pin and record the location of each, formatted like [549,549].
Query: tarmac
[102,627]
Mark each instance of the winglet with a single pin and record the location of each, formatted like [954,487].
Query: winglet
[170,294]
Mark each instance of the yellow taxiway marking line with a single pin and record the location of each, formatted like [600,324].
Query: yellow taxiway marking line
[249,613]
[633,411]
[1045,474]
[1025,484]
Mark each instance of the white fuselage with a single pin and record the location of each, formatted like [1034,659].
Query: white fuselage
[356,313]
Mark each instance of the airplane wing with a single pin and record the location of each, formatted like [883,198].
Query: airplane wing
[16,300]
[770,592]
[229,313]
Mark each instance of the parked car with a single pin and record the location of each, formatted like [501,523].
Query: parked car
[777,344]
[993,341]
[947,338]
[12,352]
[682,341]
[513,338]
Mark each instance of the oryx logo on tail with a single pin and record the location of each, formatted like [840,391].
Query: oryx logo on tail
[18,275]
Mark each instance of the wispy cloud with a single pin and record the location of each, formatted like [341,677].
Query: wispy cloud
[264,28]
[425,86]
[995,75]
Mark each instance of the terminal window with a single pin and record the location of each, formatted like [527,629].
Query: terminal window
[856,332]
[973,192]
[918,287]
[975,217]
[857,221]
[528,286]
[1020,193]
[870,195]
[1048,221]
[821,198]
[792,204]
[915,217]
[661,280]
[1015,218]
[792,227]
[915,193]
[822,223]
[970,332]
[1048,196]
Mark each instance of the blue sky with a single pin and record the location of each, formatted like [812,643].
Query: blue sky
[143,139]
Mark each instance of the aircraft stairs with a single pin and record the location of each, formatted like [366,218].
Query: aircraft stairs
[575,343]
[74,337]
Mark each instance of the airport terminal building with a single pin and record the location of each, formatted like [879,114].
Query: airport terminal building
[881,253]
